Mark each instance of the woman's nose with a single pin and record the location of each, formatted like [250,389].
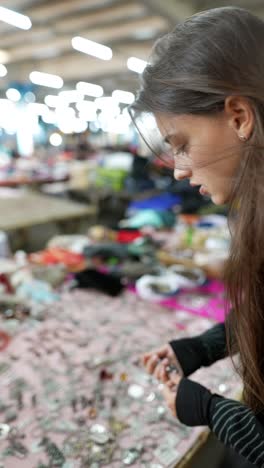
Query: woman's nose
[181,175]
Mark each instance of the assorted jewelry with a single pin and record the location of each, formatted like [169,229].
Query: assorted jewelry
[73,394]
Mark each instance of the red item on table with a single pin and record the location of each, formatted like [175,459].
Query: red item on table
[4,280]
[4,340]
[126,236]
[57,255]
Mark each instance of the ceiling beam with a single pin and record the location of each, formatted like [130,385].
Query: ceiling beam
[107,35]
[116,12]
[50,10]
[174,10]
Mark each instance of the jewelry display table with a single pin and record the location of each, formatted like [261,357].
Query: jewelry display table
[74,395]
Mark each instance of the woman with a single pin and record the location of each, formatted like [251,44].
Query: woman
[205,87]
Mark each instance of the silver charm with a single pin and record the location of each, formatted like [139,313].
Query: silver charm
[131,456]
[161,411]
[167,455]
[4,431]
[171,368]
[151,397]
[136,391]
[99,434]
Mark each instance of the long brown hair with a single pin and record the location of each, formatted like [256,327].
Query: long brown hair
[212,55]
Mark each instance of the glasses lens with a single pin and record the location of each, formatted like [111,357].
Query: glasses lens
[149,131]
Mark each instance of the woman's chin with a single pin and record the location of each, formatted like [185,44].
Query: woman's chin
[218,199]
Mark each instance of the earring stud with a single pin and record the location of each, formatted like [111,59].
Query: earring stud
[242,137]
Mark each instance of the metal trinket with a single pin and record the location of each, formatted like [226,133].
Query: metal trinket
[131,456]
[151,397]
[161,411]
[167,455]
[99,434]
[135,391]
[4,431]
[171,368]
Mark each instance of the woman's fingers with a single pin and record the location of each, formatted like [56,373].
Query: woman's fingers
[175,378]
[160,371]
[160,353]
[170,397]
[152,363]
[164,374]
[159,364]
[144,359]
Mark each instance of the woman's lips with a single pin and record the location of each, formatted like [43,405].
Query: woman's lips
[203,191]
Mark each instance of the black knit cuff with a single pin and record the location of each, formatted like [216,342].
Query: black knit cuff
[190,353]
[193,403]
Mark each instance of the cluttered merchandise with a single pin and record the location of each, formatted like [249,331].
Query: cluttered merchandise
[76,317]
[130,234]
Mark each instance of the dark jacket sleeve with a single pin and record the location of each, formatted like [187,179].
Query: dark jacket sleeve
[233,423]
[201,351]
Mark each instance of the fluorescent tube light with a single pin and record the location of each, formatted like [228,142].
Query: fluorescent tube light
[3,70]
[92,48]
[137,65]
[46,79]
[90,89]
[13,94]
[15,19]
[123,96]
[71,96]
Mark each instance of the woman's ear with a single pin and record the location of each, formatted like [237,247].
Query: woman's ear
[240,114]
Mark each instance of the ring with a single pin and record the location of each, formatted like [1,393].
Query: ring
[171,368]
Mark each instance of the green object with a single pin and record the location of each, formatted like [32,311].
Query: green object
[113,178]
[154,218]
[140,248]
[113,261]
[189,236]
[213,209]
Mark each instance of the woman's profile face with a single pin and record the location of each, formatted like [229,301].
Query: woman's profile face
[206,151]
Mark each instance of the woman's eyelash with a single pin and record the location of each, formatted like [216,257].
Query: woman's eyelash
[180,150]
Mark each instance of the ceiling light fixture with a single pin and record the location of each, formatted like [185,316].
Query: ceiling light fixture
[49,117]
[46,79]
[55,139]
[92,48]
[38,108]
[30,97]
[13,94]
[3,70]
[90,89]
[15,19]
[52,100]
[137,65]
[86,106]
[71,96]
[123,96]
[4,56]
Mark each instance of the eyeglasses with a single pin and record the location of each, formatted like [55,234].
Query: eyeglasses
[179,158]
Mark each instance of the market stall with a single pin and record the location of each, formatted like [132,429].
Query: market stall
[75,321]
[73,390]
